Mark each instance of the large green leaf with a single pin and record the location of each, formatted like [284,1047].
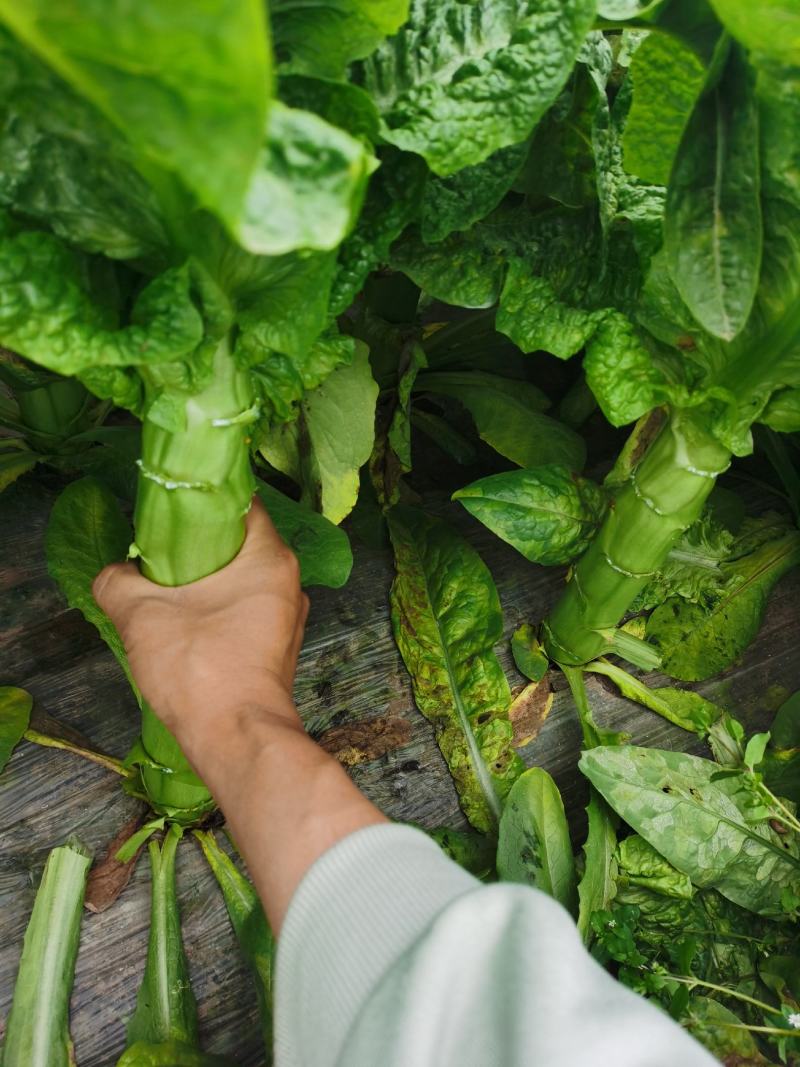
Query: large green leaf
[673,800]
[547,513]
[322,549]
[698,640]
[87,531]
[460,81]
[508,416]
[322,38]
[455,203]
[331,438]
[65,164]
[249,923]
[308,187]
[712,226]
[37,1030]
[15,713]
[533,845]
[666,77]
[203,68]
[772,30]
[165,1007]
[49,315]
[447,618]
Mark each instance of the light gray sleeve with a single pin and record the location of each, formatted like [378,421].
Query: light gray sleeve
[392,955]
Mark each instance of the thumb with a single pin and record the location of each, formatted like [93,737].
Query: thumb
[116,586]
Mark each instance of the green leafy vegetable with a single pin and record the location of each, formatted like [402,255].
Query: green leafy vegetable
[446,617]
[677,805]
[547,513]
[332,436]
[533,845]
[458,83]
[698,640]
[37,1030]
[598,883]
[712,225]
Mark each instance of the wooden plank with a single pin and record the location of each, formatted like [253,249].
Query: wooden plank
[350,671]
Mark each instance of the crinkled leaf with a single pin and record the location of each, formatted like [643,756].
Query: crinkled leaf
[37,1030]
[620,371]
[15,712]
[331,438]
[712,225]
[641,865]
[87,531]
[323,549]
[285,307]
[308,186]
[392,202]
[447,618]
[546,513]
[283,380]
[692,569]
[203,69]
[341,104]
[48,313]
[249,923]
[460,81]
[694,822]
[699,640]
[65,164]
[666,76]
[455,203]
[508,416]
[533,844]
[323,38]
[458,270]
[680,706]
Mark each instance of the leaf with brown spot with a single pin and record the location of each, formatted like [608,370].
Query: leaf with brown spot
[529,709]
[109,877]
[361,742]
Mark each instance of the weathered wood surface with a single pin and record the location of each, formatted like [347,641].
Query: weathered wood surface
[350,672]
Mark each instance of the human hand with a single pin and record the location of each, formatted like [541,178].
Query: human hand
[224,645]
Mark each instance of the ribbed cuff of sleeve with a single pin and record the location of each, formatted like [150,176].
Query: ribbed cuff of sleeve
[357,910]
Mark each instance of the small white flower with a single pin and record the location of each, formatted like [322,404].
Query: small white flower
[794,1020]
[611,923]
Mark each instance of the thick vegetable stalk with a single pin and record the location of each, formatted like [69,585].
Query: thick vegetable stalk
[37,1033]
[663,496]
[195,487]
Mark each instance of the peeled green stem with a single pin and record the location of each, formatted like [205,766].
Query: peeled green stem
[165,1007]
[37,1032]
[195,487]
[663,496]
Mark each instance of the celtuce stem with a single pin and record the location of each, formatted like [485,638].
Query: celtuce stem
[37,1033]
[195,487]
[663,496]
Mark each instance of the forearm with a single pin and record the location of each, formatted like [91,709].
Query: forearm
[285,799]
